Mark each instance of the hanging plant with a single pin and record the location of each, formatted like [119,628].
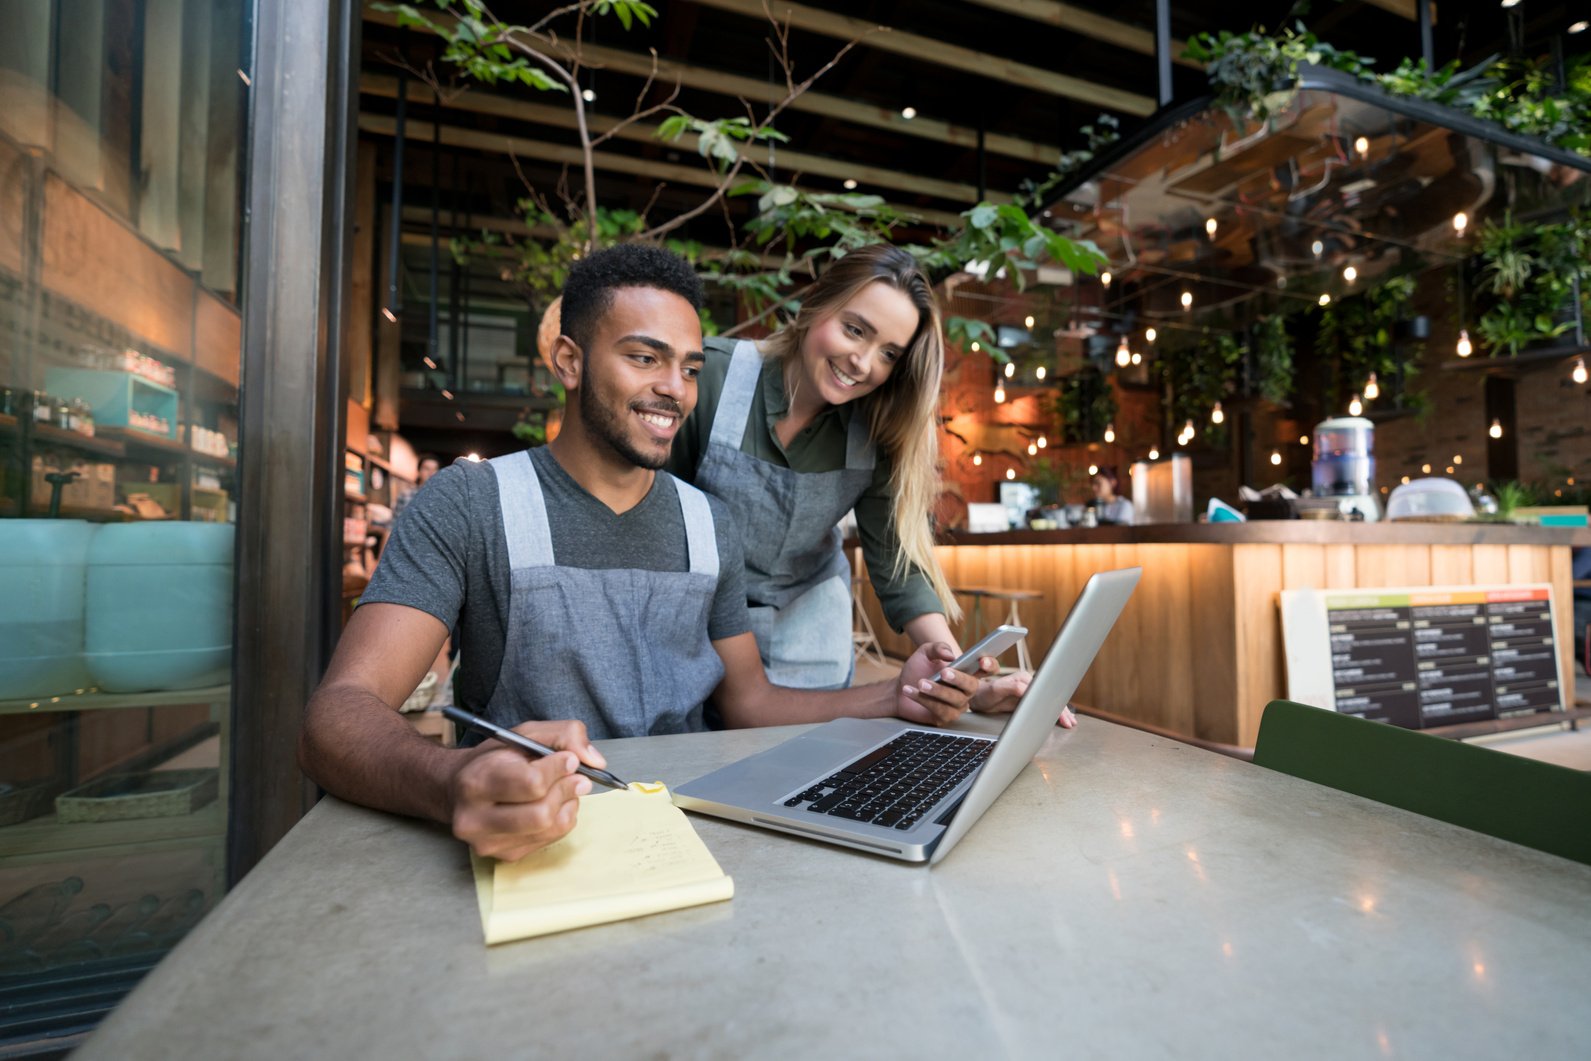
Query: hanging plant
[1357,336]
[1273,359]
[1201,375]
[1085,404]
[1527,280]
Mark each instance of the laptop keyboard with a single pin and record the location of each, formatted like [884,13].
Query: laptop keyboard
[896,784]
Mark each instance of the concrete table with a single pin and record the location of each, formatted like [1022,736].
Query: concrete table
[1128,896]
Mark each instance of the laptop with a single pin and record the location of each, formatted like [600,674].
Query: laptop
[909,791]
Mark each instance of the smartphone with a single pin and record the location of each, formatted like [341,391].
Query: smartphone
[997,641]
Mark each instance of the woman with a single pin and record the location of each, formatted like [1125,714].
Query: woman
[1108,506]
[837,411]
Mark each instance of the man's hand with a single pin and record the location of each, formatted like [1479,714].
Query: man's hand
[998,696]
[506,805]
[929,691]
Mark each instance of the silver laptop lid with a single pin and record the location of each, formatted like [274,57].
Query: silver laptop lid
[1087,625]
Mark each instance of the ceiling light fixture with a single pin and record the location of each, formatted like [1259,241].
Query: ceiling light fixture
[1464,347]
[1579,27]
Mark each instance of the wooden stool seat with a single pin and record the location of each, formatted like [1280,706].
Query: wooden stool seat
[974,628]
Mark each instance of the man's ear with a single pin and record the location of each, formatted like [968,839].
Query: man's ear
[567,362]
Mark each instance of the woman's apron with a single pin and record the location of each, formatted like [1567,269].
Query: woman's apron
[798,583]
[624,651]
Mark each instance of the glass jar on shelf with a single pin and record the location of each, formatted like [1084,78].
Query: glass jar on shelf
[43,407]
[83,417]
[62,416]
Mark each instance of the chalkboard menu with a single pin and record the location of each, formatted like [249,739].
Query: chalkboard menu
[1424,657]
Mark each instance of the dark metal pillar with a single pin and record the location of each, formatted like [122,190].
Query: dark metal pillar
[1427,48]
[1163,49]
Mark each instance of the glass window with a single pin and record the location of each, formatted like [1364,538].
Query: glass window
[121,135]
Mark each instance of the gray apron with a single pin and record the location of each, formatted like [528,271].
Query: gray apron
[624,651]
[798,583]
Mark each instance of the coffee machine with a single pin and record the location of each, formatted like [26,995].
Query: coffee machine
[1344,468]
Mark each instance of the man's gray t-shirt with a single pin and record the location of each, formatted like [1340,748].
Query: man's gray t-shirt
[448,556]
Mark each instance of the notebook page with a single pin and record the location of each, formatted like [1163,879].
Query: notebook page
[631,853]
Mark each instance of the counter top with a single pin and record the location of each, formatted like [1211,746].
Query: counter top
[1127,896]
[1288,531]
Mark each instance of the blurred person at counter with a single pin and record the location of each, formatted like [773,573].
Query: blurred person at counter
[834,412]
[593,594]
[429,463]
[1582,605]
[1108,505]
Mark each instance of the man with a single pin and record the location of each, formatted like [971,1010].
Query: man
[429,465]
[583,586]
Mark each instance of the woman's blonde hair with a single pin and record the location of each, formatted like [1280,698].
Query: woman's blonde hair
[903,414]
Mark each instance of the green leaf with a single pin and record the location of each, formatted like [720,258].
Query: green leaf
[982,216]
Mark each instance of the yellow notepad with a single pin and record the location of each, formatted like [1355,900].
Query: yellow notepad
[631,853]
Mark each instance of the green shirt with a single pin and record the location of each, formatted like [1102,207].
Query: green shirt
[819,447]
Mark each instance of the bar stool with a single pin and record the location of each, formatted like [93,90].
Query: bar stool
[974,627]
[863,640]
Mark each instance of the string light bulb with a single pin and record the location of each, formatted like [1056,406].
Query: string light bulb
[1362,145]
[1349,273]
[1010,473]
[1010,369]
[1187,428]
[1137,358]
[1460,222]
[1104,277]
[1464,347]
[1372,389]
[999,393]
[1150,335]
[977,460]
[1110,433]
[1317,248]
[1355,406]
[1043,442]
[1496,430]
[1579,373]
[1216,415]
[1458,458]
[1154,454]
[1325,299]
[1033,449]
[976,346]
[1028,320]
[1123,354]
[1276,456]
[1210,225]
[1040,372]
[1303,440]
[1187,299]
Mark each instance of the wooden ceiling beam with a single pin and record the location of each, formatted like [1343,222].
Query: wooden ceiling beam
[870,177]
[1090,24]
[940,53]
[563,154]
[1409,9]
[810,102]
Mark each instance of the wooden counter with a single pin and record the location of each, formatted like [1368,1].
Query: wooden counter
[1199,649]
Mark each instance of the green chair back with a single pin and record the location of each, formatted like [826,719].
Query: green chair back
[1537,804]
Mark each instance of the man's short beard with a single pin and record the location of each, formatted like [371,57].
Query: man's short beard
[606,428]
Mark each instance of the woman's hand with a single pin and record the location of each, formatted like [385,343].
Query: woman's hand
[929,691]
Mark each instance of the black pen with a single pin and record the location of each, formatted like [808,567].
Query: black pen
[525,744]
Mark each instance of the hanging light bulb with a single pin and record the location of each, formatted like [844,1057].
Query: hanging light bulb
[1303,440]
[1040,372]
[1043,442]
[1010,473]
[1216,415]
[1010,369]
[1210,226]
[1362,145]
[1458,458]
[1325,300]
[1460,222]
[999,393]
[1465,347]
[1123,355]
[1093,469]
[977,460]
[1579,373]
[1317,248]
[1187,299]
[1425,469]
[1372,388]
[1154,454]
[1496,430]
[976,346]
[1137,358]
[1187,428]
[1355,406]
[1110,433]
[1028,320]
[1276,456]
[1349,273]
[1104,277]
[1033,449]
[1150,335]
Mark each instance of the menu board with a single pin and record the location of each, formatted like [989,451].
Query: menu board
[1425,656]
